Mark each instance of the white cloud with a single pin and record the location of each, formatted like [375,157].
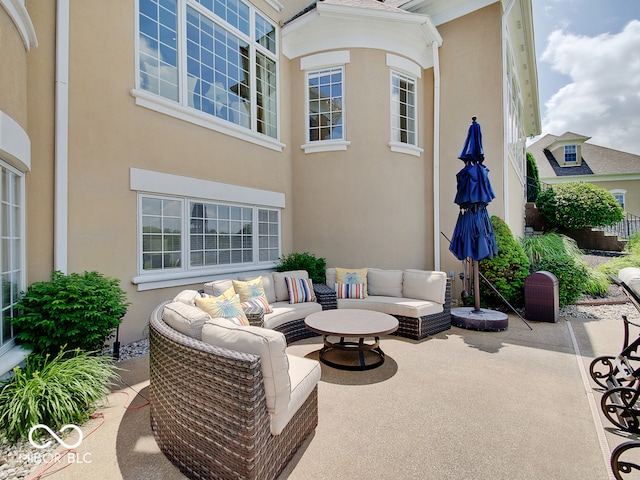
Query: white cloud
[602,99]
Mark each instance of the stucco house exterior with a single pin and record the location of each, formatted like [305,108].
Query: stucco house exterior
[571,158]
[170,142]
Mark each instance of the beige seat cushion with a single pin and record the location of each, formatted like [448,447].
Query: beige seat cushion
[405,307]
[424,285]
[268,344]
[184,318]
[304,375]
[284,312]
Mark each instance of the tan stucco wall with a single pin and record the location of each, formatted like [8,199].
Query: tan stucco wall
[13,80]
[470,44]
[632,194]
[108,134]
[39,181]
[366,206]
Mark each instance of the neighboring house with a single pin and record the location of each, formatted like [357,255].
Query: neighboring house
[570,158]
[170,142]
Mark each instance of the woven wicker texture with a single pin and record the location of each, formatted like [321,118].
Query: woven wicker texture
[208,409]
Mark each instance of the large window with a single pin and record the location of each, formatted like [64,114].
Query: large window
[214,56]
[325,104]
[403,109]
[11,251]
[182,234]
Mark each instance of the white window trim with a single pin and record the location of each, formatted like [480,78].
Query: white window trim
[406,67]
[620,191]
[321,61]
[164,184]
[177,110]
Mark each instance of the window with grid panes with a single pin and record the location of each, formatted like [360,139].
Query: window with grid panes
[186,234]
[215,56]
[325,104]
[11,251]
[403,109]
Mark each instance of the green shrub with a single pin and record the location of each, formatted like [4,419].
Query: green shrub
[78,311]
[533,180]
[507,270]
[577,205]
[549,244]
[53,391]
[571,275]
[315,267]
[554,245]
[613,266]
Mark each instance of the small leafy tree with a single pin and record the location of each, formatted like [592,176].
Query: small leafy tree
[577,205]
[533,179]
[75,310]
[506,271]
[315,267]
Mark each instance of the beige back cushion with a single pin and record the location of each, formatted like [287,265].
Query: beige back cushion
[631,276]
[384,282]
[330,276]
[282,294]
[187,296]
[186,319]
[424,285]
[268,344]
[218,287]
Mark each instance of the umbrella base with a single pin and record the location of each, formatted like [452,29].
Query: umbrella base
[484,320]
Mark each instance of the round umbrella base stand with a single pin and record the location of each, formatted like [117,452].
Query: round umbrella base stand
[484,320]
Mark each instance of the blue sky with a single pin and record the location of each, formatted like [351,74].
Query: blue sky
[588,54]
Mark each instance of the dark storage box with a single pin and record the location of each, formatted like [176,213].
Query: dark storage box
[541,297]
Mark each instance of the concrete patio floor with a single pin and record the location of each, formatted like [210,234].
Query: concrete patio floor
[517,404]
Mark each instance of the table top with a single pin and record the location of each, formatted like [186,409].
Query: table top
[351,322]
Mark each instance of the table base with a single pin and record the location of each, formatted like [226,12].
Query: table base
[369,355]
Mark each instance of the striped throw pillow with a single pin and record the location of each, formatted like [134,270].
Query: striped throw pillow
[300,290]
[350,290]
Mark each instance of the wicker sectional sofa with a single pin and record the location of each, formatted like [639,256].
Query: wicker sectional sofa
[419,299]
[227,401]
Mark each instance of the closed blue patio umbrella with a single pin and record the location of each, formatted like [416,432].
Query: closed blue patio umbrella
[473,237]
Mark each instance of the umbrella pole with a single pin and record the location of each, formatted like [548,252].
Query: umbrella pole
[476,286]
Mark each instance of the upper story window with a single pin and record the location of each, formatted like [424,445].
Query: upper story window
[325,94]
[325,105]
[218,57]
[403,109]
[570,154]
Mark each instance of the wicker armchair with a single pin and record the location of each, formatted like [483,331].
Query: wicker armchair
[208,409]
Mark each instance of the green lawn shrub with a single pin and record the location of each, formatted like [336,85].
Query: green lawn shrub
[507,270]
[75,310]
[631,258]
[314,266]
[54,391]
[577,205]
[571,274]
[533,179]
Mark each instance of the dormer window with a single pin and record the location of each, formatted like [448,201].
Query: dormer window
[570,155]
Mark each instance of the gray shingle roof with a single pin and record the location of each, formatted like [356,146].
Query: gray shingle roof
[599,160]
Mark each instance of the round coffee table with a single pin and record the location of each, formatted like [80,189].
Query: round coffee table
[352,323]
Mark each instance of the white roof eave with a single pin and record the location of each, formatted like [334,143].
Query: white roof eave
[339,27]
